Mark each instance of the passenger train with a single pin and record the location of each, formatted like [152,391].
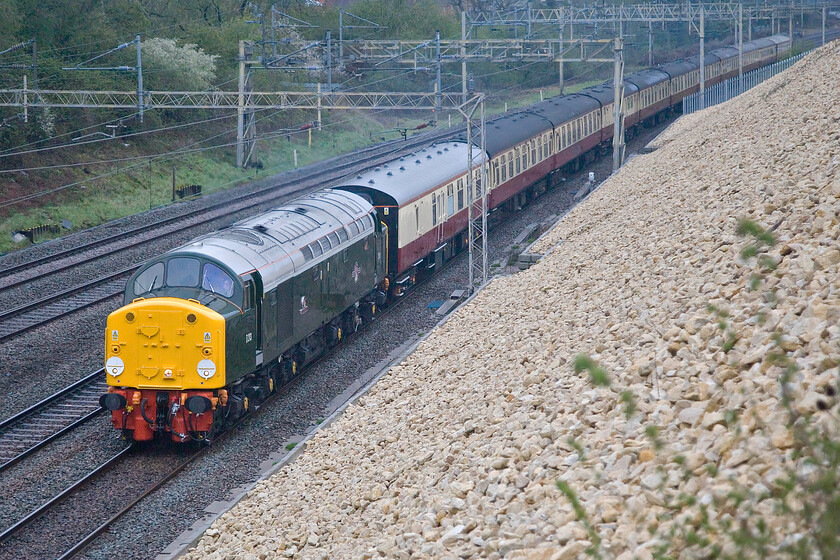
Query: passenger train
[210,329]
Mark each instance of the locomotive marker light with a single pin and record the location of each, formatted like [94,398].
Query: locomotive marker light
[115,366]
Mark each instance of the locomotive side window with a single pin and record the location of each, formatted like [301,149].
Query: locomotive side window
[217,280]
[182,272]
[150,279]
[316,248]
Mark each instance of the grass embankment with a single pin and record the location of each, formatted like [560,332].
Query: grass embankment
[104,192]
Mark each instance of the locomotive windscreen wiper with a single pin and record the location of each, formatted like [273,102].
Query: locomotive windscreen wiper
[151,285]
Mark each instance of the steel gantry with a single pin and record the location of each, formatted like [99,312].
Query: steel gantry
[656,12]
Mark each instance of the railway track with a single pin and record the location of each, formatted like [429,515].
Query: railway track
[30,430]
[35,313]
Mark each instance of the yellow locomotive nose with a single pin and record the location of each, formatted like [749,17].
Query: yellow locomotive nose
[165,343]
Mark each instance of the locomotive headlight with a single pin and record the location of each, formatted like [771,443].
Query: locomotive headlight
[206,369]
[114,366]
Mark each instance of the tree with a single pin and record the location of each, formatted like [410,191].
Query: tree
[170,67]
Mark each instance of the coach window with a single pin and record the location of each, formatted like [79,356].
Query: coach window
[148,280]
[510,165]
[216,280]
[417,217]
[182,272]
[461,189]
[516,158]
[533,151]
[434,209]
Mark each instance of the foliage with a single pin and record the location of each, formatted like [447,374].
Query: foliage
[180,68]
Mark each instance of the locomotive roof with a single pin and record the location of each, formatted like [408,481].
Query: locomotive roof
[411,176]
[279,243]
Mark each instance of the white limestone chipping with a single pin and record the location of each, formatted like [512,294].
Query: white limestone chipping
[456,452]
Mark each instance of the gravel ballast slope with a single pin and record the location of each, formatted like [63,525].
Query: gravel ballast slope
[456,452]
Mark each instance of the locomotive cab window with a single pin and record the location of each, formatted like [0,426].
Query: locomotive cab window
[182,272]
[150,279]
[217,281]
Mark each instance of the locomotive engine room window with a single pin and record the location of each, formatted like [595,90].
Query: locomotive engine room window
[216,280]
[182,272]
[316,248]
[150,279]
[461,190]
[450,199]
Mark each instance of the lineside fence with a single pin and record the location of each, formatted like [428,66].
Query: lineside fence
[727,89]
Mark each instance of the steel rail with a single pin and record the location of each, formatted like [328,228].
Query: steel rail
[38,512]
[7,427]
[15,321]
[75,385]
